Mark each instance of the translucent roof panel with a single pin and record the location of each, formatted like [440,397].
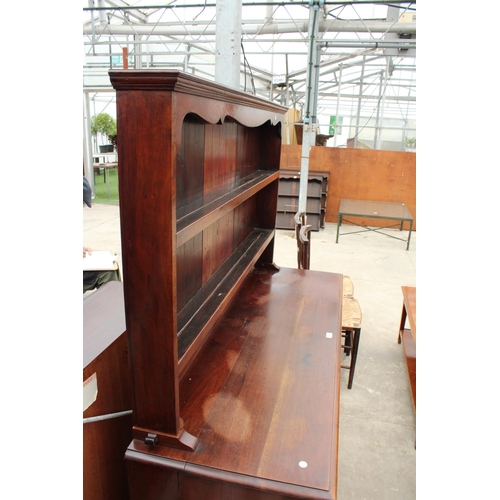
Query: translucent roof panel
[365,59]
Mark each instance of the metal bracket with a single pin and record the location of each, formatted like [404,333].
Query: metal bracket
[151,439]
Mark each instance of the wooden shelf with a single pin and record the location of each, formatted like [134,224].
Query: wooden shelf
[200,214]
[197,318]
[288,199]
[198,190]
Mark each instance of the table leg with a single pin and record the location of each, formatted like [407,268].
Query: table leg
[402,323]
[339,223]
[106,176]
[409,235]
[356,334]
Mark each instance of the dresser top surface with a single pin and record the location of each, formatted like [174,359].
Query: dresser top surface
[263,395]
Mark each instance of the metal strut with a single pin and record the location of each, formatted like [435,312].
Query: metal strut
[310,126]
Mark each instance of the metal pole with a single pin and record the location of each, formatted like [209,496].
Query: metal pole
[314,111]
[337,110]
[377,123]
[406,118]
[186,59]
[92,20]
[103,18]
[359,101]
[108,416]
[138,52]
[196,29]
[269,13]
[287,83]
[88,163]
[287,104]
[228,43]
[309,129]
[386,76]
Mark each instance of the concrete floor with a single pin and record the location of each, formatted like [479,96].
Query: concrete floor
[377,456]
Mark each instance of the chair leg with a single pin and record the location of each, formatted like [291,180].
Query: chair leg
[347,334]
[355,338]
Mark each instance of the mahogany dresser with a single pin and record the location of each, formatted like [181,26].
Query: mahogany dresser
[235,363]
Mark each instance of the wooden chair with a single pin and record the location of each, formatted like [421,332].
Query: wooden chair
[347,287]
[351,331]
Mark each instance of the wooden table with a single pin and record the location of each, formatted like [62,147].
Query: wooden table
[107,166]
[375,210]
[408,336]
[262,399]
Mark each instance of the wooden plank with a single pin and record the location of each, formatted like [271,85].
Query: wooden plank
[226,200]
[249,110]
[220,150]
[147,216]
[189,175]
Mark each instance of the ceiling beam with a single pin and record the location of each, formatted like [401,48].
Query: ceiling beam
[267,29]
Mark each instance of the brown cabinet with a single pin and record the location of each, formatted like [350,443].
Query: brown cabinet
[107,428]
[288,199]
[235,363]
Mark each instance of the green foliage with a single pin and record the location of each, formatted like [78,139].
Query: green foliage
[411,142]
[104,124]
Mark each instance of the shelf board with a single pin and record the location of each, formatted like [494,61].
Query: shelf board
[199,315]
[199,215]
